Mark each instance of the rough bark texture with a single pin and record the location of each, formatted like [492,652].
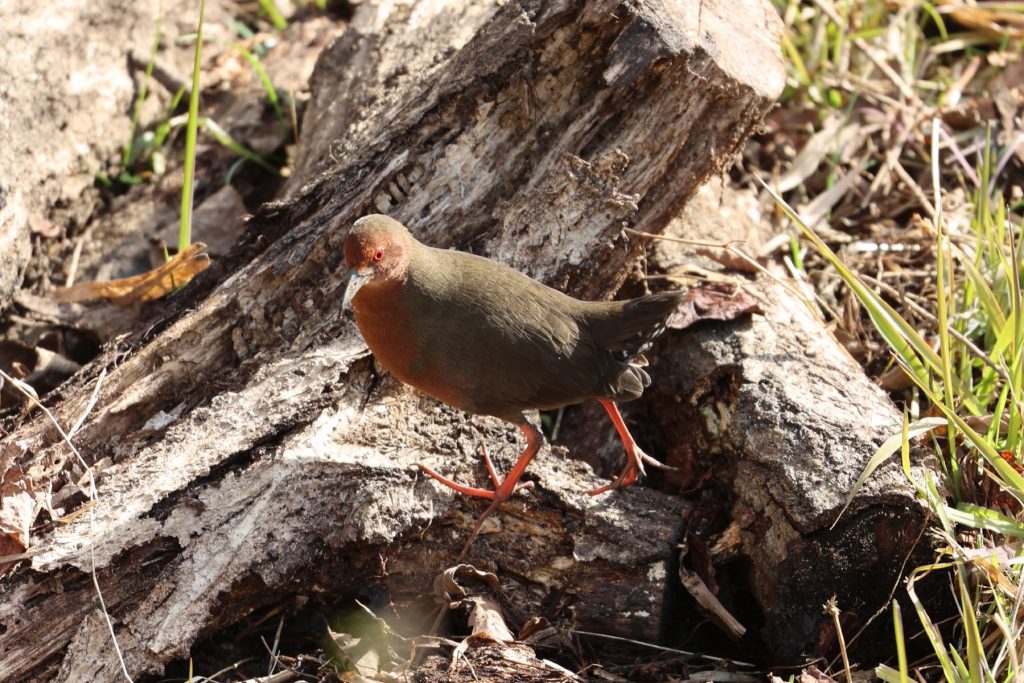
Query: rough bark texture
[781,410]
[772,413]
[247,453]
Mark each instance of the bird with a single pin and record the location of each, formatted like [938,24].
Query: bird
[487,339]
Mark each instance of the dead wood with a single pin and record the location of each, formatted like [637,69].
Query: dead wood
[246,451]
[773,416]
[776,408]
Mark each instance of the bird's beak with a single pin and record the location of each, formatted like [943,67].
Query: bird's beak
[355,282]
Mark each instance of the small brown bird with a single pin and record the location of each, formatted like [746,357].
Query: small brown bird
[485,338]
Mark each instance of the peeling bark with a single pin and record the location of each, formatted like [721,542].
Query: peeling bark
[773,421]
[246,451]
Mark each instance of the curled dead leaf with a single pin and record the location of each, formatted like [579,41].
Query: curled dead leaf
[713,301]
[447,586]
[486,619]
[533,626]
[148,286]
[18,510]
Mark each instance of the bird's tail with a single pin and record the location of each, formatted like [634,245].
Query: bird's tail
[629,326]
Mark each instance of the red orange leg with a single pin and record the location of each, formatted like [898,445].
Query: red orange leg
[503,490]
[491,472]
[634,467]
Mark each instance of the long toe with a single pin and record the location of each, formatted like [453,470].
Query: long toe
[627,477]
[476,529]
[467,490]
[508,486]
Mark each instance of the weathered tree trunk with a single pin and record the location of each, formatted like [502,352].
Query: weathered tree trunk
[245,449]
[775,409]
[775,416]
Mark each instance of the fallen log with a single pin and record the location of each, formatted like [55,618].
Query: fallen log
[774,421]
[245,451]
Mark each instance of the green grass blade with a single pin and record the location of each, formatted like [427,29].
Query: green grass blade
[803,77]
[972,635]
[888,674]
[916,354]
[886,450]
[188,189]
[128,155]
[958,661]
[936,19]
[942,301]
[222,136]
[1011,478]
[274,14]
[268,86]
[949,669]
[901,642]
[977,517]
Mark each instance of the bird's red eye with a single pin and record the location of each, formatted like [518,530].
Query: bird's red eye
[378,255]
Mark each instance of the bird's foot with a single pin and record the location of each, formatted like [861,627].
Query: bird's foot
[629,475]
[503,489]
[502,492]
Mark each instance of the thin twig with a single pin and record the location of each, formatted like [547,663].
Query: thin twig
[915,189]
[662,648]
[90,405]
[277,644]
[892,593]
[733,249]
[93,495]
[832,609]
[76,255]
[868,51]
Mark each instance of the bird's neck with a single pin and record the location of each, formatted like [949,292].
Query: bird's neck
[384,317]
[378,298]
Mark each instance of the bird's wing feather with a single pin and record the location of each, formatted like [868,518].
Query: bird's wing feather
[509,342]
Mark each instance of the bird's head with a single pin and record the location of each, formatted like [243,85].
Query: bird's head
[376,252]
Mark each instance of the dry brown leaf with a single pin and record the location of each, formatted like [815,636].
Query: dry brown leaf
[814,675]
[713,301]
[145,287]
[43,227]
[447,586]
[38,367]
[533,626]
[485,618]
[733,259]
[1007,23]
[895,379]
[18,507]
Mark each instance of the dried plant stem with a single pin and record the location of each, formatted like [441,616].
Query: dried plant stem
[93,492]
